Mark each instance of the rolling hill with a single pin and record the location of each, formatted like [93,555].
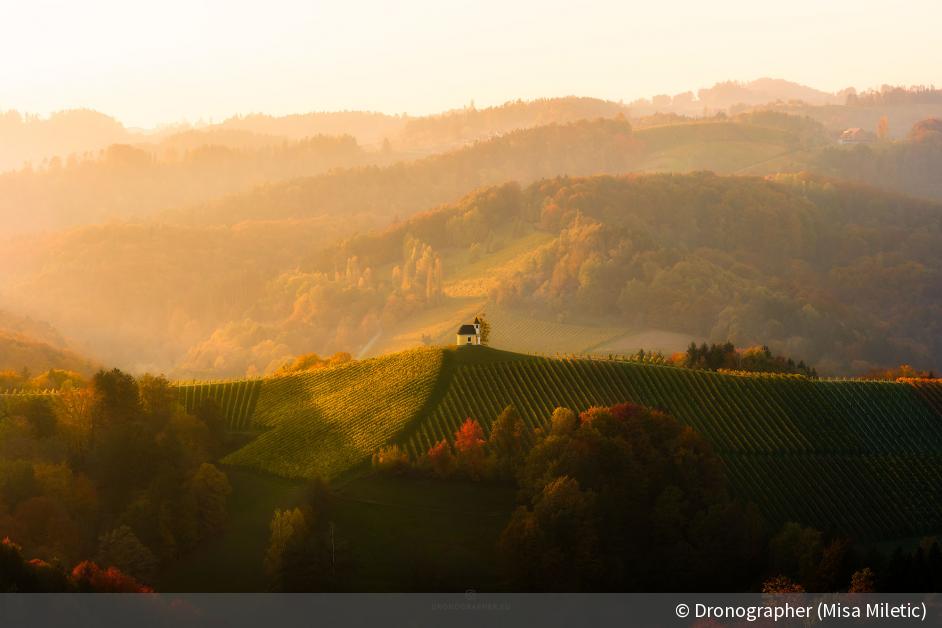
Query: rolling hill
[131,182]
[323,423]
[792,261]
[31,138]
[252,238]
[19,352]
[800,263]
[32,346]
[856,457]
[582,147]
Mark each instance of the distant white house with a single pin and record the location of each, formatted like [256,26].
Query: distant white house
[469,334]
[855,135]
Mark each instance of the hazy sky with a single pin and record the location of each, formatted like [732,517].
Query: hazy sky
[168,60]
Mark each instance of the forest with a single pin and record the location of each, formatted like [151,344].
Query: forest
[587,478]
[104,483]
[683,269]
[249,293]
[599,493]
[179,171]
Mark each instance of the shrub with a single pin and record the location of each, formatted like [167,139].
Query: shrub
[392,459]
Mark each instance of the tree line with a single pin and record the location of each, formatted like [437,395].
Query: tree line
[103,485]
[626,498]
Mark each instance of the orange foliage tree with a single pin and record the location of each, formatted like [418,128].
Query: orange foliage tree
[89,577]
[469,442]
[441,459]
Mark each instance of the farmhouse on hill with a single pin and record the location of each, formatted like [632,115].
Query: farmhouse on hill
[855,135]
[469,334]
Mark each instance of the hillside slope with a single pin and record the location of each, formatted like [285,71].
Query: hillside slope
[804,264]
[124,182]
[583,147]
[801,263]
[19,352]
[859,458]
[864,458]
[34,346]
[326,422]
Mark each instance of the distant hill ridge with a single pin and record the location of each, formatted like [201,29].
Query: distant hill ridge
[582,147]
[36,346]
[820,452]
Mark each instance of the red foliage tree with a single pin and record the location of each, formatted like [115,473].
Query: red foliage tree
[88,576]
[469,437]
[469,442]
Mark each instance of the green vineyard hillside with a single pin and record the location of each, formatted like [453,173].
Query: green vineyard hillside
[326,422]
[862,458]
[236,399]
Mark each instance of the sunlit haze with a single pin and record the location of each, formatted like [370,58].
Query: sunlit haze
[153,63]
[469,299]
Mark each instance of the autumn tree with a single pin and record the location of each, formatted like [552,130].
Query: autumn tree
[835,568]
[17,482]
[147,459]
[391,458]
[49,577]
[28,576]
[124,458]
[45,525]
[88,577]
[121,548]
[441,459]
[469,445]
[796,552]
[883,129]
[563,422]
[661,512]
[554,545]
[288,528]
[75,422]
[311,361]
[485,328]
[304,552]
[158,399]
[116,398]
[211,490]
[40,415]
[507,441]
[58,379]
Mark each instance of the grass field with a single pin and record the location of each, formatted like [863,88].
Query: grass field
[423,534]
[474,278]
[717,146]
[664,342]
[862,458]
[401,534]
[513,331]
[437,323]
[233,562]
